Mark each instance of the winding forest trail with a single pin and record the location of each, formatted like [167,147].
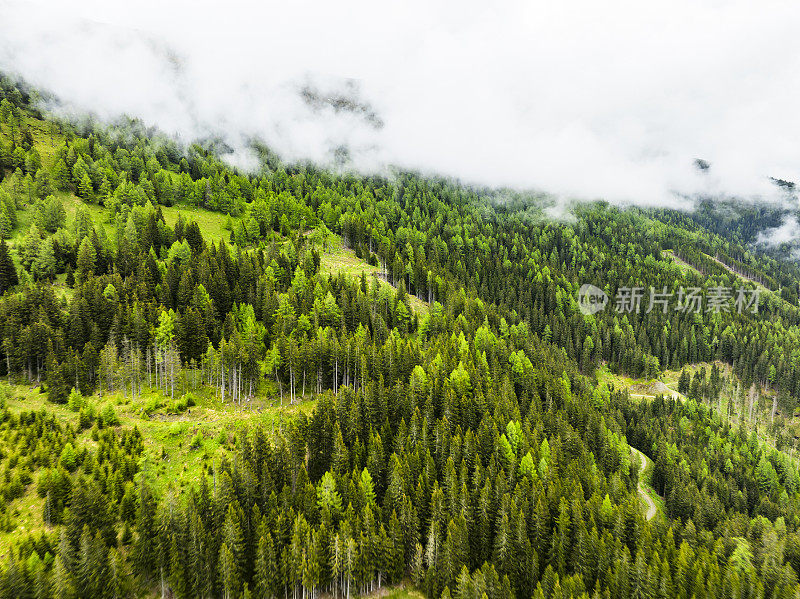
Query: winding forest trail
[651,505]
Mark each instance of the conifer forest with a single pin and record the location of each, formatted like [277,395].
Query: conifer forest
[297,382]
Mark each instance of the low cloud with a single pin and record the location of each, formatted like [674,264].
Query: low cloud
[579,99]
[786,235]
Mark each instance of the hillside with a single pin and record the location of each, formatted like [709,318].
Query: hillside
[296,381]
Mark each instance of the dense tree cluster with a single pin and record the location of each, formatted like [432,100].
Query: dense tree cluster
[424,233]
[463,447]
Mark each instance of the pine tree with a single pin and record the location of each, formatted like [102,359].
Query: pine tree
[86,259]
[57,387]
[8,272]
[6,226]
[177,573]
[265,568]
[228,573]
[85,189]
[61,581]
[559,551]
[143,553]
[44,267]
[60,175]
[119,585]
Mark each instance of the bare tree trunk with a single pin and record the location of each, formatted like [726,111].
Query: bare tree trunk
[172,373]
[280,386]
[291,383]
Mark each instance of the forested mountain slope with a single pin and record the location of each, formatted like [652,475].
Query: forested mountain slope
[458,442]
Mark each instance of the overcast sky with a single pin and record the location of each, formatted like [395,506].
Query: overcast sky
[582,99]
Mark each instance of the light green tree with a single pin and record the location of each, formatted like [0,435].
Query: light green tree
[86,259]
[44,267]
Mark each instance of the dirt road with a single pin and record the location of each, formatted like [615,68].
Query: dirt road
[651,505]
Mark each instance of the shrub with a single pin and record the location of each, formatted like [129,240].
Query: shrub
[109,416]
[181,404]
[14,489]
[178,428]
[87,417]
[76,401]
[44,482]
[197,441]
[222,437]
[152,405]
[69,457]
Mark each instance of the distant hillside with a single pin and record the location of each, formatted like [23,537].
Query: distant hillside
[296,382]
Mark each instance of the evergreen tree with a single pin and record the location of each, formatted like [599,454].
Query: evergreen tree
[86,259]
[8,272]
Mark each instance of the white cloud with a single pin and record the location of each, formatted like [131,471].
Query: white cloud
[581,99]
[788,232]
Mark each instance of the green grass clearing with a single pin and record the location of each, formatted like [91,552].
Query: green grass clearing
[212,224]
[178,447]
[338,259]
[401,592]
